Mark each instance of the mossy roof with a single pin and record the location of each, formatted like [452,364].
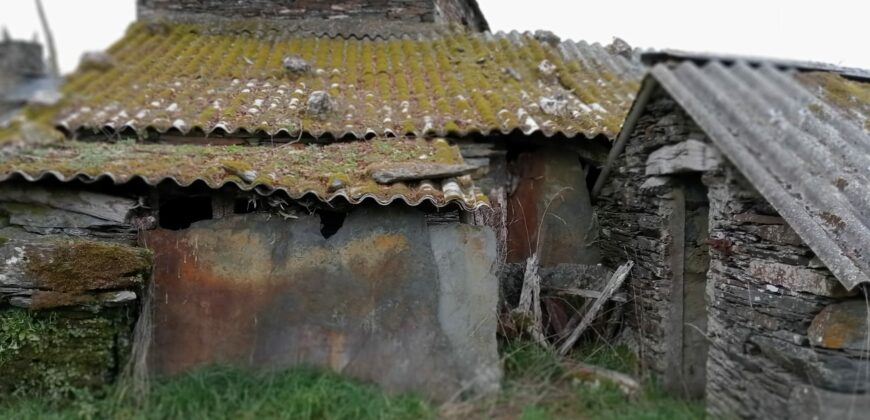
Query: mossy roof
[327,172]
[188,76]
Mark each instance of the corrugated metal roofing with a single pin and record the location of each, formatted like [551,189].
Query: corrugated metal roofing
[327,172]
[191,76]
[802,139]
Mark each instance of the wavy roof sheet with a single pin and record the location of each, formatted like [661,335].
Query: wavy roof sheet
[230,79]
[327,172]
[801,138]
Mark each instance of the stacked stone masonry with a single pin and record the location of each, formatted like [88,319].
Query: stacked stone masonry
[785,338]
[634,225]
[71,276]
[411,11]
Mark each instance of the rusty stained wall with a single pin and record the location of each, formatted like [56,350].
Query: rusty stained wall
[387,299]
[550,212]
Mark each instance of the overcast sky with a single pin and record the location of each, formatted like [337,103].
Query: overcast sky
[833,31]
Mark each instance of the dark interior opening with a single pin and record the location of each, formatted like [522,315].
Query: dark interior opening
[180,212]
[244,206]
[592,174]
[330,222]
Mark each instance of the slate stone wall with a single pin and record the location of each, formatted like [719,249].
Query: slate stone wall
[69,283]
[785,339]
[412,11]
[766,290]
[21,59]
[634,222]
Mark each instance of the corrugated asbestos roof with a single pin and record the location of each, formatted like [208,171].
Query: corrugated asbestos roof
[802,139]
[327,172]
[231,79]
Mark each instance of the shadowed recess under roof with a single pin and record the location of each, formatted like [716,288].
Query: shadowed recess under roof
[191,76]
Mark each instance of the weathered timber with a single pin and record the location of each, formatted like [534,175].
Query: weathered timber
[614,284]
[590,294]
[528,312]
[590,373]
[389,173]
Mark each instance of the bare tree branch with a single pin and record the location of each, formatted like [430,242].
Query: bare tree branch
[49,41]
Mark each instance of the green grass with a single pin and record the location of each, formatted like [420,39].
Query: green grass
[226,393]
[536,387]
[539,387]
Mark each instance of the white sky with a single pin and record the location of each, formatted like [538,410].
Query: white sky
[833,31]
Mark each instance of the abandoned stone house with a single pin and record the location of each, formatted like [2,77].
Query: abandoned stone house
[739,188]
[335,183]
[24,77]
[341,183]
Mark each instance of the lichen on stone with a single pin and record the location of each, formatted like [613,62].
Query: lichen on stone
[83,265]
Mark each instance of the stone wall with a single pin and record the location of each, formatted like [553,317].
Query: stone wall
[781,335]
[634,212]
[411,11]
[772,349]
[21,59]
[69,285]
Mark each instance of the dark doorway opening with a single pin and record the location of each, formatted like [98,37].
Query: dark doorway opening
[330,222]
[179,212]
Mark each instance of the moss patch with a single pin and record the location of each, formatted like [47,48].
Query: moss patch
[847,95]
[298,170]
[78,265]
[53,354]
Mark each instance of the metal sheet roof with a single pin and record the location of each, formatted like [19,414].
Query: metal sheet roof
[230,79]
[326,172]
[802,139]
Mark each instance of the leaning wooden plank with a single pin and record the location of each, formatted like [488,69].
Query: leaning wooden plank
[613,285]
[586,372]
[590,294]
[528,312]
[106,207]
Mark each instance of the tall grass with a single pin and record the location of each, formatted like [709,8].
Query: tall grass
[227,393]
[537,386]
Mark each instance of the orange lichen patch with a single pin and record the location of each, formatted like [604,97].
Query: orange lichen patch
[80,265]
[296,170]
[840,326]
[192,76]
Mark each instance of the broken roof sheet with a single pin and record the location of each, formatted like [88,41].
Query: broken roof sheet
[230,79]
[328,172]
[801,138]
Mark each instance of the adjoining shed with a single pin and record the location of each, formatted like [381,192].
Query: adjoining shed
[265,186]
[740,188]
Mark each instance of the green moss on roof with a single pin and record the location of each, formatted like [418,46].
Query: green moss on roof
[849,96]
[190,76]
[295,168]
